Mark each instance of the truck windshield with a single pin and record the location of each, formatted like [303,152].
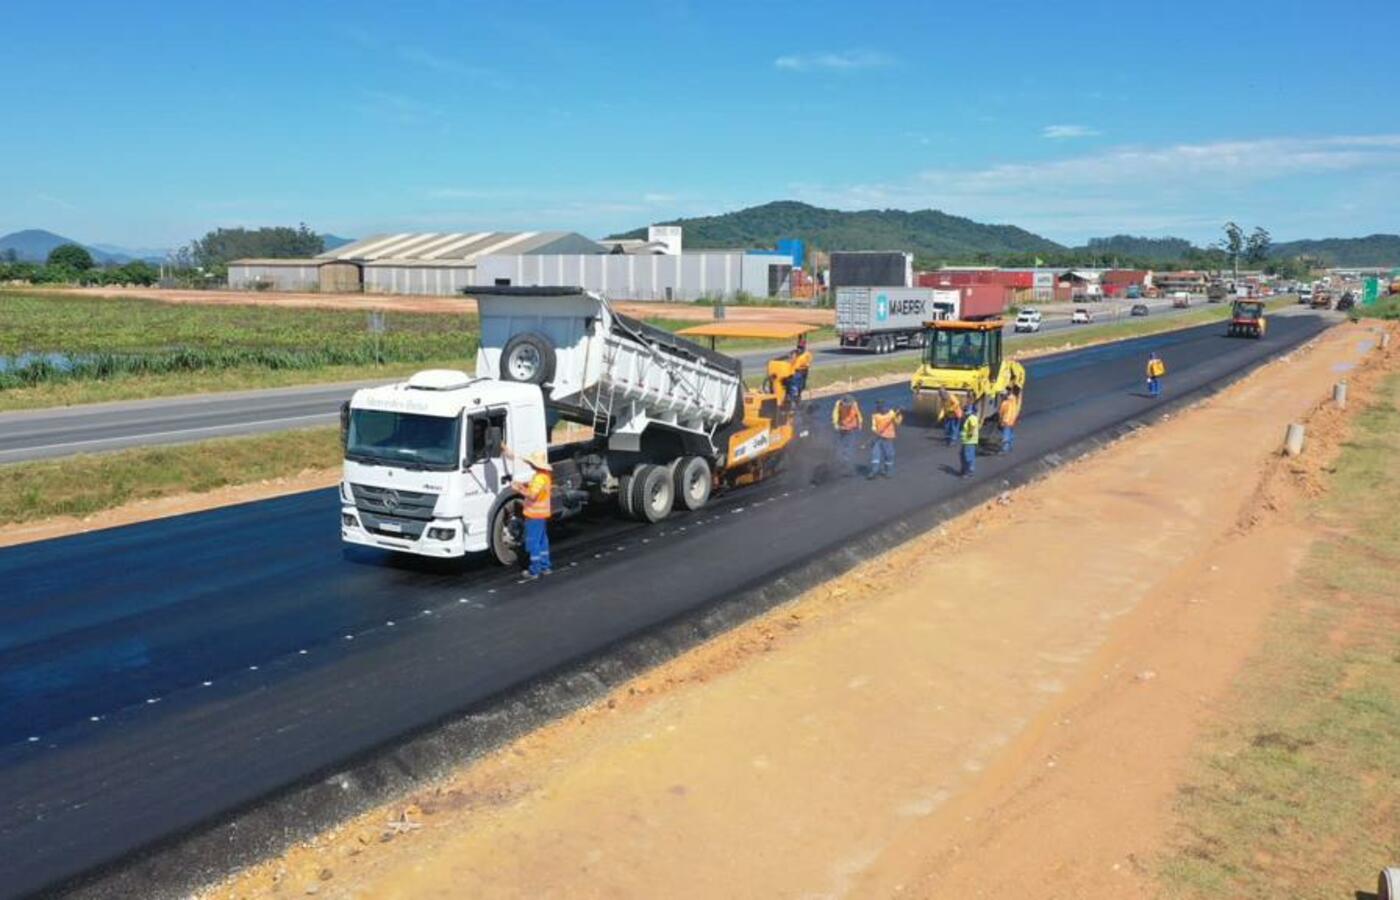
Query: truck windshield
[1247,311]
[403,439]
[952,349]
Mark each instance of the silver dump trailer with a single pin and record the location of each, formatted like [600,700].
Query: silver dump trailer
[425,470]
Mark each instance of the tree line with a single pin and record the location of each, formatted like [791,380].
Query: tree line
[202,262]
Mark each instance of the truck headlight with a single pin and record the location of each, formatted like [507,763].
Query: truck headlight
[442,534]
[348,520]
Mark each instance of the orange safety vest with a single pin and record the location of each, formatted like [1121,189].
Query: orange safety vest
[848,418]
[1010,410]
[537,496]
[803,361]
[884,424]
[954,408]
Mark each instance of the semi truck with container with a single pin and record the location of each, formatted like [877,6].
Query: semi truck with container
[882,319]
[662,423]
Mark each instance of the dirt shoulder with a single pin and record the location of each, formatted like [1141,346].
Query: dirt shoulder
[1005,703]
[419,304]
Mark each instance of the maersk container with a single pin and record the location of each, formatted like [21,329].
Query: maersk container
[886,318]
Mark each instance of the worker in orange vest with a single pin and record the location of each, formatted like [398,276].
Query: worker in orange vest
[885,423]
[848,421]
[950,412]
[801,365]
[1155,370]
[536,491]
[1008,414]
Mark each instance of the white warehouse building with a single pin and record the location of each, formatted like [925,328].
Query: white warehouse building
[445,264]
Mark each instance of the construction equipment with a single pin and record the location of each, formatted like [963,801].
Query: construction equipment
[965,358]
[1321,299]
[663,421]
[1247,319]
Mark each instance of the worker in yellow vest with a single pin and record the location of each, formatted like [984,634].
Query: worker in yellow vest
[848,421]
[1007,415]
[950,413]
[801,365]
[535,488]
[971,434]
[885,423]
[1155,370]
[781,372]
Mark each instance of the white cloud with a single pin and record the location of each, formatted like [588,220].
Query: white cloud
[1062,132]
[1186,187]
[838,61]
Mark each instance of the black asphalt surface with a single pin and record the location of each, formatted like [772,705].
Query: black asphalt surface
[156,676]
[98,428]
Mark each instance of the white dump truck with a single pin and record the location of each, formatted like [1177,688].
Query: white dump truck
[883,319]
[666,422]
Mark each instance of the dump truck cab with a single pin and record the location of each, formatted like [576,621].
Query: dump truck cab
[965,358]
[1247,319]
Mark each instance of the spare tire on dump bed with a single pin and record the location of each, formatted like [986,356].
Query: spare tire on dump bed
[528,358]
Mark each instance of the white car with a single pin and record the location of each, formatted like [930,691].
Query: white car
[1028,320]
[1081,316]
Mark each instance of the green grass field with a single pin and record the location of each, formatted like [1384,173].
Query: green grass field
[82,485]
[1296,794]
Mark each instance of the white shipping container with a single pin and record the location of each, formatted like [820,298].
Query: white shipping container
[867,310]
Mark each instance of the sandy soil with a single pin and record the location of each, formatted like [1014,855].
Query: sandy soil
[410,303]
[1001,708]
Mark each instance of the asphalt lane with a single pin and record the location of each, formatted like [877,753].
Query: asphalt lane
[157,675]
[104,427]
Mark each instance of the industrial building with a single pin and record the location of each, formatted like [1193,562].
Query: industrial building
[444,264]
[407,263]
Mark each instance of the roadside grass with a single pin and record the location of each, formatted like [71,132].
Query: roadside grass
[83,485]
[1298,792]
[52,339]
[1385,307]
[144,387]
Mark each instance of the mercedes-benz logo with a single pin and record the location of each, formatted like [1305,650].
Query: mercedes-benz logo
[391,500]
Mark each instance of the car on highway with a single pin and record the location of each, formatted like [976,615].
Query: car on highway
[1305,295]
[1028,320]
[1139,309]
[1081,316]
[1181,300]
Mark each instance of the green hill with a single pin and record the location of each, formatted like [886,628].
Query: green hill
[1167,249]
[927,233]
[1372,250]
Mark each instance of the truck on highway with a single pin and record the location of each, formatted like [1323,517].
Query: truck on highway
[882,319]
[885,319]
[1247,319]
[663,422]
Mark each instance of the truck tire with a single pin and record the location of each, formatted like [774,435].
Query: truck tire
[692,480]
[528,358]
[624,495]
[653,493]
[507,532]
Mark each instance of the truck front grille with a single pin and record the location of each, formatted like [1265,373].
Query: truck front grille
[393,502]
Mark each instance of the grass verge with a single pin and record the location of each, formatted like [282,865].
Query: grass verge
[83,485]
[1298,794]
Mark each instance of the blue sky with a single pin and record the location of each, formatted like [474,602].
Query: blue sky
[145,123]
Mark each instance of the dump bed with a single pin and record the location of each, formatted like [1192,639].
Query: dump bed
[603,368]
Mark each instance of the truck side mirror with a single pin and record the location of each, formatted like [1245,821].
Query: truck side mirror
[494,439]
[344,424]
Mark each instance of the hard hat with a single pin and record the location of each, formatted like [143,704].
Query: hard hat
[539,461]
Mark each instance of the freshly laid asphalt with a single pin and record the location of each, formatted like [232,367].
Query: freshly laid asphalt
[103,427]
[154,677]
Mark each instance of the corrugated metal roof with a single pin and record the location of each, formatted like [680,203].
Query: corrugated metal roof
[449,246]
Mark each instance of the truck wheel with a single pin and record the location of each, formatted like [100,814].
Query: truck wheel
[528,358]
[692,481]
[653,493]
[624,495]
[507,533]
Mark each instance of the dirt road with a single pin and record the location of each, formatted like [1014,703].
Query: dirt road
[998,709]
[419,304]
